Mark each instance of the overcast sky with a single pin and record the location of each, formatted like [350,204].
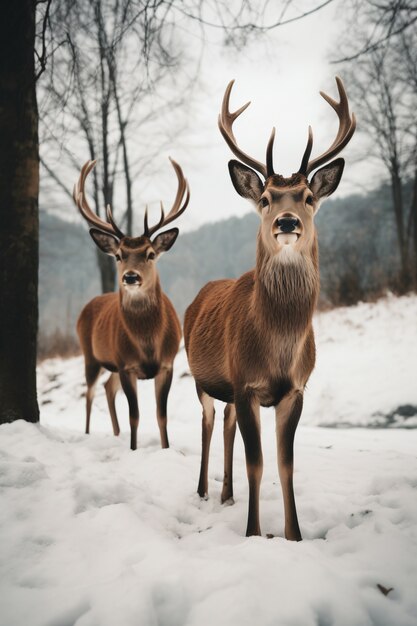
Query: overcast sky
[281,73]
[282,76]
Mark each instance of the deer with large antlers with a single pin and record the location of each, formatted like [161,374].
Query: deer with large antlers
[250,341]
[135,333]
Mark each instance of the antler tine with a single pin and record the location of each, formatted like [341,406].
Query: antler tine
[79,185]
[145,223]
[225,121]
[347,126]
[150,231]
[341,108]
[110,219]
[85,209]
[176,209]
[269,154]
[307,152]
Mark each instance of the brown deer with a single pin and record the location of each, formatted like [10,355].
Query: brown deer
[135,333]
[250,341]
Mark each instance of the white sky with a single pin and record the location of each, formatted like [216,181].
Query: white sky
[282,76]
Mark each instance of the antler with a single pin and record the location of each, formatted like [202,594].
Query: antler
[347,126]
[85,210]
[176,209]
[226,119]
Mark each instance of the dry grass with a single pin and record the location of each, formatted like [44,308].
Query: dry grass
[57,344]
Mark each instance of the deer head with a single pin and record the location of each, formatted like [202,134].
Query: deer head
[287,206]
[135,256]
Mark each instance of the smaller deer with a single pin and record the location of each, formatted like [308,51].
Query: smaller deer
[135,333]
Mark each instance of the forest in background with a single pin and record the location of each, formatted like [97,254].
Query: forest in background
[359,261]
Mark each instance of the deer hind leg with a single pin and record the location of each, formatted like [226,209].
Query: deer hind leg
[247,411]
[287,415]
[162,386]
[92,371]
[112,386]
[207,403]
[229,431]
[128,382]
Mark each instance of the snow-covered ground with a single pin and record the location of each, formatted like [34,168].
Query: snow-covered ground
[92,534]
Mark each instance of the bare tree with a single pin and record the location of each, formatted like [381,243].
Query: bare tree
[383,87]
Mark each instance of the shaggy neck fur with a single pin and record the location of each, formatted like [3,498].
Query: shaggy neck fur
[144,312]
[286,287]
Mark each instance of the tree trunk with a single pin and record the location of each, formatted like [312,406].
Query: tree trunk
[19,185]
[126,167]
[413,213]
[107,269]
[397,196]
[105,263]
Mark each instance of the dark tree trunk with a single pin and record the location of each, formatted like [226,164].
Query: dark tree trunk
[397,196]
[107,269]
[105,263]
[126,167]
[19,185]
[413,213]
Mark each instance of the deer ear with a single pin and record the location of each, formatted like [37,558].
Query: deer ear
[246,181]
[106,242]
[165,241]
[326,180]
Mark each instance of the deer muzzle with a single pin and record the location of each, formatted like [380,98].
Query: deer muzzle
[132,278]
[288,231]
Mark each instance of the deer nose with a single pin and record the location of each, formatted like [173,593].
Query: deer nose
[288,224]
[132,278]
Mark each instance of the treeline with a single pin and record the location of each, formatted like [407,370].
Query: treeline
[358,259]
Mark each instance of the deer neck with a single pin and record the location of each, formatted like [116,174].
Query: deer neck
[144,312]
[286,288]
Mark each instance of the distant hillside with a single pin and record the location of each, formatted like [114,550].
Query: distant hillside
[68,275]
[221,250]
[358,257]
[358,247]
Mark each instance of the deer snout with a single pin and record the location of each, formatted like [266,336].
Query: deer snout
[132,278]
[287,224]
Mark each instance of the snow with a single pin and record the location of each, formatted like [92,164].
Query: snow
[92,534]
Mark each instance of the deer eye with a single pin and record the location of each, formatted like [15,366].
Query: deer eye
[118,257]
[264,202]
[151,256]
[309,200]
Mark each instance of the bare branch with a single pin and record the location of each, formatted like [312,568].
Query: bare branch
[378,44]
[42,58]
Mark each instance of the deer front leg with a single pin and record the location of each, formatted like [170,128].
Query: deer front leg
[128,382]
[92,371]
[287,415]
[247,411]
[162,386]
[229,430]
[112,386]
[207,403]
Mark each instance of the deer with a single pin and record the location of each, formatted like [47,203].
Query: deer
[250,340]
[134,333]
